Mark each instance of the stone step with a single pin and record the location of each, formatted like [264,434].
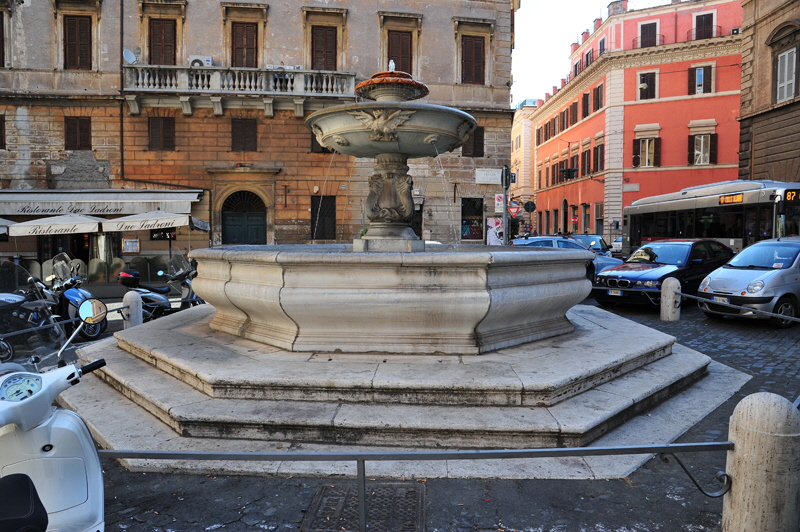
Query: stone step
[541,373]
[575,421]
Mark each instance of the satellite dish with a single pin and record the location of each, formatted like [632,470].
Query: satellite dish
[129,56]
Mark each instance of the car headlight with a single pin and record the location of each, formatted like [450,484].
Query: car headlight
[648,284]
[705,282]
[755,286]
[599,280]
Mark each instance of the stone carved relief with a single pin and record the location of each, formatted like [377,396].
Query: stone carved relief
[389,198]
[383,122]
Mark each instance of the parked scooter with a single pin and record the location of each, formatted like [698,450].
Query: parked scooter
[52,479]
[155,299]
[67,283]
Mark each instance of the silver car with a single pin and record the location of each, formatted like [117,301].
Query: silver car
[600,262]
[764,276]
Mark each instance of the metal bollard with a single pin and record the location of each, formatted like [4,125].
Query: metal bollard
[670,300]
[132,314]
[764,466]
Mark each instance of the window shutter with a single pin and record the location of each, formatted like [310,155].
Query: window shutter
[323,45]
[692,81]
[472,60]
[477,144]
[85,43]
[2,44]
[77,42]
[691,149]
[168,134]
[162,42]
[84,133]
[657,152]
[70,133]
[244,44]
[636,153]
[400,50]
[706,80]
[712,151]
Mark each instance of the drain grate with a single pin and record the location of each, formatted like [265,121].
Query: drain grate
[391,507]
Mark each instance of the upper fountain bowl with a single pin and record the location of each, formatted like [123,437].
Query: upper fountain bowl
[391,86]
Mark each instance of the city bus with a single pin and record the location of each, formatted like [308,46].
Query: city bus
[736,213]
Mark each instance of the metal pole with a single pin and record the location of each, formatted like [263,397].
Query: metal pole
[505,180]
[362,497]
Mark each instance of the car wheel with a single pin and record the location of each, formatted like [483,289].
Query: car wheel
[6,351]
[787,307]
[712,316]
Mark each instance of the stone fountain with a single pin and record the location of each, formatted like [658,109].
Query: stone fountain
[386,343]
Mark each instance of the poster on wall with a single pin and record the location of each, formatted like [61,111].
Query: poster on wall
[494,231]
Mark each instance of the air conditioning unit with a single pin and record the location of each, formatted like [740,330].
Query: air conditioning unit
[200,61]
[735,31]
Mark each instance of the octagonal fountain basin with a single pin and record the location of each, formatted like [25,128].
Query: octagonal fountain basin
[448,299]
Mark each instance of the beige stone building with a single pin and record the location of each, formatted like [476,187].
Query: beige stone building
[205,102]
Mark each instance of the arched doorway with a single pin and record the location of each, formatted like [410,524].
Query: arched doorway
[244,219]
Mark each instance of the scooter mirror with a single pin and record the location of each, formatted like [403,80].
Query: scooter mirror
[92,311]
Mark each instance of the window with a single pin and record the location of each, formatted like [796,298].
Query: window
[601,47]
[586,162]
[703,149]
[77,42]
[597,97]
[786,77]
[576,69]
[647,85]
[647,152]
[648,35]
[598,157]
[162,133]
[473,146]
[77,133]
[704,26]
[162,41]
[245,44]
[573,113]
[2,132]
[400,50]
[517,142]
[700,80]
[588,57]
[244,134]
[538,136]
[554,126]
[323,217]
[472,218]
[399,36]
[316,147]
[585,109]
[564,122]
[323,48]
[598,218]
[2,40]
[473,60]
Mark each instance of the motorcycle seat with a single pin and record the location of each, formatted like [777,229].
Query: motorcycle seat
[21,509]
[157,289]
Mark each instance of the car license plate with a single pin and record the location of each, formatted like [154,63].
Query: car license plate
[615,292]
[719,299]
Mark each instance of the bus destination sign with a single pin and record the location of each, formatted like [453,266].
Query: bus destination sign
[731,198]
[793,195]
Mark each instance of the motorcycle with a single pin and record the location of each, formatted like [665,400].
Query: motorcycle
[67,286]
[26,321]
[155,299]
[52,478]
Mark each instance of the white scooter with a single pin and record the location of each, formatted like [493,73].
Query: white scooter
[50,474]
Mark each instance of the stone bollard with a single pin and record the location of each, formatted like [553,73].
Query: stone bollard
[670,301]
[132,314]
[764,466]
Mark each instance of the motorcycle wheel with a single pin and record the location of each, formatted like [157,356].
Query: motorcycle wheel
[92,331]
[6,351]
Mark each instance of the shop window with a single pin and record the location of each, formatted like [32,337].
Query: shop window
[323,217]
[162,41]
[472,218]
[646,152]
[700,80]
[244,134]
[77,42]
[473,146]
[162,133]
[77,133]
[703,149]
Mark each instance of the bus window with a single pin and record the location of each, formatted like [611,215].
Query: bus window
[750,225]
[792,220]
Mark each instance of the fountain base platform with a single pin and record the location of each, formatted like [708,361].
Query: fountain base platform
[175,384]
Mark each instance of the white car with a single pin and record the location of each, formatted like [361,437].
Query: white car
[616,246]
[764,276]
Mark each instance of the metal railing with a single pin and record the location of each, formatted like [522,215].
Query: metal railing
[362,457]
[703,32]
[252,81]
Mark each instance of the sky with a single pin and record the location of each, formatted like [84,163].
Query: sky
[544,31]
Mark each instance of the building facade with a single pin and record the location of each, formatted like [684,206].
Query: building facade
[99,97]
[770,112]
[649,107]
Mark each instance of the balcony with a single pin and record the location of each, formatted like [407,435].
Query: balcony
[647,41]
[703,32]
[190,86]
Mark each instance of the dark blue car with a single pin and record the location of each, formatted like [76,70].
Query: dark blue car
[639,278]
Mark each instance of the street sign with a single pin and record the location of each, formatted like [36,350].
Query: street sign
[529,206]
[514,210]
[574,219]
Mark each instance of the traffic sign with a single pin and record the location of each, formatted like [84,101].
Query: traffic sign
[574,219]
[514,210]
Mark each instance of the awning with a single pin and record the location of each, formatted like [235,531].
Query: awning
[4,225]
[57,225]
[146,220]
[95,202]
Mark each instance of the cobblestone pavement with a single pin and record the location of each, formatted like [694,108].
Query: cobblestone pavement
[657,497]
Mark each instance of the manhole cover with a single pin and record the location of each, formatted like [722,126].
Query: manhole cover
[391,507]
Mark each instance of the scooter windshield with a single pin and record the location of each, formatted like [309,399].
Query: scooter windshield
[27,326]
[62,267]
[177,263]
